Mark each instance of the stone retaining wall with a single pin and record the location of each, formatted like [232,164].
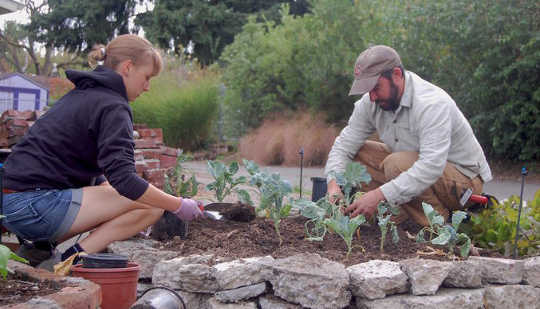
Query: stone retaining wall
[309,281]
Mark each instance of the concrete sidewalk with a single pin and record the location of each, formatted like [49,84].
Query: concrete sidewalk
[501,189]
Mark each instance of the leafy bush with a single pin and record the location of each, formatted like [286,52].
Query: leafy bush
[274,67]
[184,110]
[485,54]
[495,227]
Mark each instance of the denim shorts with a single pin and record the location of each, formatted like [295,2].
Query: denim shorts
[41,214]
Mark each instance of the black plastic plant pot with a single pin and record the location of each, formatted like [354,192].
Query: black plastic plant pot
[319,188]
[104,260]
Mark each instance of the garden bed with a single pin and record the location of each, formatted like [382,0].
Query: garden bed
[234,239]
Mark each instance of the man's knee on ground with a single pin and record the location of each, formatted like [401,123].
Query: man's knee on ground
[398,162]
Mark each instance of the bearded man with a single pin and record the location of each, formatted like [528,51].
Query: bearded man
[428,152]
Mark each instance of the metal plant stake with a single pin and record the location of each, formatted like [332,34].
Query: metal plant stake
[301,153]
[523,174]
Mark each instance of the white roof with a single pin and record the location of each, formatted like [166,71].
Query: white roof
[10,6]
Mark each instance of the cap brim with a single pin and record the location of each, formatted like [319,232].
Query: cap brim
[361,86]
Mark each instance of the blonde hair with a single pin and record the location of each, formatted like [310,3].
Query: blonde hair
[126,47]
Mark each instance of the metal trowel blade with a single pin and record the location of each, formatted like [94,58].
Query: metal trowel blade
[214,215]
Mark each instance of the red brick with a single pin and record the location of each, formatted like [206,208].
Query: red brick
[150,132]
[151,153]
[166,161]
[152,163]
[169,151]
[140,166]
[18,131]
[139,155]
[145,143]
[16,122]
[155,177]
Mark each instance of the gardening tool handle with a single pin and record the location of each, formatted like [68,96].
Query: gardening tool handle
[480,199]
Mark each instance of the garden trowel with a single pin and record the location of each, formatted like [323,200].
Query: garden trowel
[213,215]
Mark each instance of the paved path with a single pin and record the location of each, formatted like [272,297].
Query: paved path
[501,189]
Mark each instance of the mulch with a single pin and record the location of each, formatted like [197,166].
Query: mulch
[14,289]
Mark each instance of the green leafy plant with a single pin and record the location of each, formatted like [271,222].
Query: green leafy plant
[5,255]
[176,184]
[273,190]
[494,228]
[345,227]
[324,215]
[446,234]
[224,181]
[316,212]
[384,213]
[354,175]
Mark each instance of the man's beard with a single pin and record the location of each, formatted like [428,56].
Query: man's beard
[392,103]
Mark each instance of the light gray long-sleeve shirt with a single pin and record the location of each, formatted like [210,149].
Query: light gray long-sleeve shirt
[427,121]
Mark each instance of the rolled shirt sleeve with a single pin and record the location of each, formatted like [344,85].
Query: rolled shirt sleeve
[351,138]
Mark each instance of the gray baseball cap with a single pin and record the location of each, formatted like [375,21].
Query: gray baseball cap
[369,66]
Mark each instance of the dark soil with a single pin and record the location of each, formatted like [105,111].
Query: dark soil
[15,289]
[233,239]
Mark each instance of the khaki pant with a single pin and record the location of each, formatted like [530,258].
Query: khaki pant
[443,195]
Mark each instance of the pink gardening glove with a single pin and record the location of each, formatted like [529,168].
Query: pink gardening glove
[188,210]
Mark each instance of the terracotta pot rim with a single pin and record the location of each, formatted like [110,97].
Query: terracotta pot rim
[131,267]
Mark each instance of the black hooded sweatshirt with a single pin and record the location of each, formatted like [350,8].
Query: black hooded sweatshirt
[88,133]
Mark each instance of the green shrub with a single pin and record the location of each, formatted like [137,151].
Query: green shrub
[485,54]
[303,61]
[184,109]
[495,228]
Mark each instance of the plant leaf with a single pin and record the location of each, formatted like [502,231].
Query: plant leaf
[443,238]
[457,218]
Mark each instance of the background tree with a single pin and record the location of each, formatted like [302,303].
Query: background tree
[208,25]
[63,26]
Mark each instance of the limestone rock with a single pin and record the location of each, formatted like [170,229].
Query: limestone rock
[243,272]
[497,270]
[273,302]
[444,299]
[531,271]
[213,303]
[425,276]
[377,279]
[192,274]
[512,296]
[311,281]
[245,292]
[464,274]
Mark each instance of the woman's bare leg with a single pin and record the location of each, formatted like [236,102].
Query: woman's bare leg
[112,216]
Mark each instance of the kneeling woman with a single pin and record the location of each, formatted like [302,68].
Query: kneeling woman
[74,171]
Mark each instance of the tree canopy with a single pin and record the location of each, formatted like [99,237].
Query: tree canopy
[208,25]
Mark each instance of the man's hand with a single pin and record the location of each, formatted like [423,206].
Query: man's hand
[334,191]
[366,204]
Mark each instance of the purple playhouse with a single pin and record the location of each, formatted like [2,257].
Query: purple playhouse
[20,92]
